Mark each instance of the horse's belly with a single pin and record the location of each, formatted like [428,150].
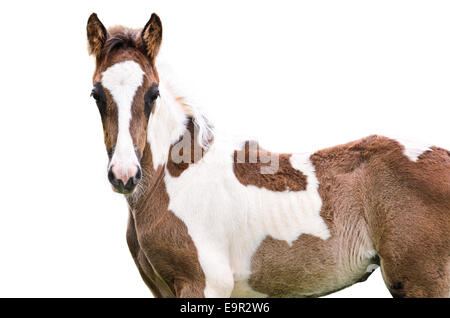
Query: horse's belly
[308,267]
[305,268]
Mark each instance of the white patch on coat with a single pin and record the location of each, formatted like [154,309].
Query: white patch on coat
[228,222]
[123,80]
[413,149]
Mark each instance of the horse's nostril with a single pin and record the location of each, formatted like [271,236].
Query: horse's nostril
[135,179]
[117,183]
[131,184]
[111,176]
[138,175]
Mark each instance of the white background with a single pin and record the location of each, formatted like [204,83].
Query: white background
[300,76]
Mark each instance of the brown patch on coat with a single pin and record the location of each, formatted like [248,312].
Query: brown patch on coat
[159,241]
[307,268]
[178,160]
[248,164]
[372,194]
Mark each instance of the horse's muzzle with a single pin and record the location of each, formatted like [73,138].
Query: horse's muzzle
[124,182]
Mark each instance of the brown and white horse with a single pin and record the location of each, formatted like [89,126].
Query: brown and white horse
[209,218]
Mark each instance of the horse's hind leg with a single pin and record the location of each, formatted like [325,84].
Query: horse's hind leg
[415,263]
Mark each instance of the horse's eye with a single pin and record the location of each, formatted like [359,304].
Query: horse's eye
[150,97]
[95,95]
[99,95]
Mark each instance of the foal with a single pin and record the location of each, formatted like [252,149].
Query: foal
[209,218]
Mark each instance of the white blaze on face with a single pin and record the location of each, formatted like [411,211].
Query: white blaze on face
[123,80]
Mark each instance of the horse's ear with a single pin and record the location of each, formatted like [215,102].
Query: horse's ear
[152,36]
[96,34]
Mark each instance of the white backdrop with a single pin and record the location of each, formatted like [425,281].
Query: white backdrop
[300,76]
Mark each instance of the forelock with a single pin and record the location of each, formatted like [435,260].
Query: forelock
[122,38]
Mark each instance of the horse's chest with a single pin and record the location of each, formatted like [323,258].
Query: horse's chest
[168,252]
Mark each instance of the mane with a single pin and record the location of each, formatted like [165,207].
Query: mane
[192,110]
